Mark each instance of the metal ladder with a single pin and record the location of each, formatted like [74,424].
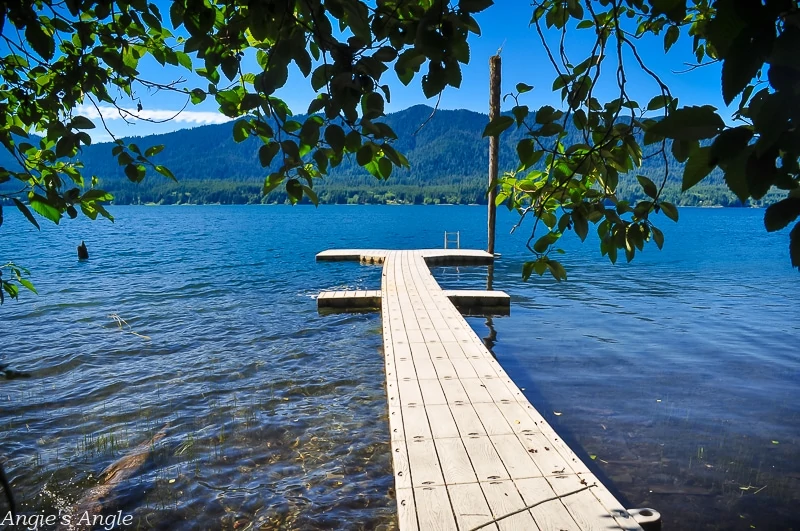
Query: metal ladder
[449,240]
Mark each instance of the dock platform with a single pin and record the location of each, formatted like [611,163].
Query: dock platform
[469,451]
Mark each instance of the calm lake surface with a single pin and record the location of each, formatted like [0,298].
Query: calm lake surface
[677,376]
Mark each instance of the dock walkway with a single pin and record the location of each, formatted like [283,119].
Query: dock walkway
[469,451]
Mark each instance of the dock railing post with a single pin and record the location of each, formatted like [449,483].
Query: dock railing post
[494,143]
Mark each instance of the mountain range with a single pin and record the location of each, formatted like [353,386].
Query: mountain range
[446,150]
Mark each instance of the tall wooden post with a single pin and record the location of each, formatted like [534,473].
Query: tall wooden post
[494,143]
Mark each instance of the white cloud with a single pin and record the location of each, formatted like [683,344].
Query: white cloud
[189,117]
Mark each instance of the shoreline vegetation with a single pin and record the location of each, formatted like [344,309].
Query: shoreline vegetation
[200,192]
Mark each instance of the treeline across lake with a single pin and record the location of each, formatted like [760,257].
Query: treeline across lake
[250,193]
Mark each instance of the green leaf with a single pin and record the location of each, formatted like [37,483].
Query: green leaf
[671,37]
[385,54]
[522,88]
[525,152]
[372,105]
[230,67]
[42,206]
[271,182]
[80,122]
[134,172]
[27,213]
[335,137]
[163,170]
[557,270]
[669,210]
[579,224]
[267,152]
[312,196]
[689,123]
[730,143]
[527,269]
[28,285]
[294,190]
[474,6]
[780,214]
[545,241]
[520,112]
[41,43]
[241,130]
[197,96]
[659,102]
[658,236]
[743,60]
[364,155]
[498,125]
[648,186]
[96,195]
[154,150]
[697,167]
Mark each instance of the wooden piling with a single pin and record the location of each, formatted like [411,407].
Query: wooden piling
[494,144]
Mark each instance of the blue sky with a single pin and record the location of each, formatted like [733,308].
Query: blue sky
[505,24]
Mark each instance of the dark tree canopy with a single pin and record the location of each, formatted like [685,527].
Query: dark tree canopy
[58,55]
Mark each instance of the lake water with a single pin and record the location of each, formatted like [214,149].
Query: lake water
[676,376]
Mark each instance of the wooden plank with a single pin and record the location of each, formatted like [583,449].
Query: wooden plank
[476,390]
[492,419]
[441,420]
[424,463]
[453,350]
[444,369]
[485,460]
[611,504]
[547,458]
[515,456]
[396,430]
[425,368]
[402,472]
[409,392]
[415,336]
[484,368]
[437,350]
[588,513]
[432,392]
[518,417]
[405,368]
[470,507]
[454,392]
[433,509]
[498,390]
[415,423]
[406,510]
[549,515]
[455,463]
[463,368]
[468,422]
[504,499]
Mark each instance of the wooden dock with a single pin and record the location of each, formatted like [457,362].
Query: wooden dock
[469,451]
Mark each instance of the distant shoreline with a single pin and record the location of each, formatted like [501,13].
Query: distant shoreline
[308,204]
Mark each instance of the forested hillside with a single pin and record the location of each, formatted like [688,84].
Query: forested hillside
[447,154]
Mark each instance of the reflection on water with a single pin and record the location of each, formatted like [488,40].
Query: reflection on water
[675,376]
